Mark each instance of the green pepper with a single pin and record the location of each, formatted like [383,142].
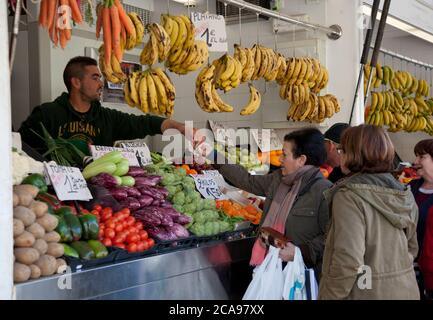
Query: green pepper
[36,180]
[90,227]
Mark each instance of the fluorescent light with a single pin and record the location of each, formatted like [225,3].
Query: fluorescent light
[397,23]
[186,2]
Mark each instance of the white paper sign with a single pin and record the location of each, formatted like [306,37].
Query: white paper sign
[223,185]
[68,182]
[267,139]
[141,151]
[210,28]
[207,186]
[99,151]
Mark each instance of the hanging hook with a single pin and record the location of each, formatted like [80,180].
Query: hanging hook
[257,23]
[168,7]
[240,26]
[207,6]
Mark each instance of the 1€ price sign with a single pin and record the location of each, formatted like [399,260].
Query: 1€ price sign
[141,151]
[210,28]
[207,186]
[68,182]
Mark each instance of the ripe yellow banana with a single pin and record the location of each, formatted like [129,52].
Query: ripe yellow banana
[254,102]
[142,92]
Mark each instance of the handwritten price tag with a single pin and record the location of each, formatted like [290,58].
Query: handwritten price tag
[68,182]
[99,151]
[141,150]
[210,28]
[208,187]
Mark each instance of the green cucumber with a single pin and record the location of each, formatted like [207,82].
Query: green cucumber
[98,248]
[84,250]
[128,181]
[106,167]
[63,230]
[111,157]
[90,227]
[70,252]
[122,168]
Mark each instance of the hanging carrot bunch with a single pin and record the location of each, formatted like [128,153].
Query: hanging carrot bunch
[117,30]
[56,16]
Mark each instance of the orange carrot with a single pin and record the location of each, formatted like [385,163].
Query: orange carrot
[106,26]
[123,37]
[66,26]
[52,7]
[76,13]
[53,31]
[126,21]
[98,21]
[43,14]
[116,31]
[63,38]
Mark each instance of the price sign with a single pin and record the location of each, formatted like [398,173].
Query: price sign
[210,28]
[68,182]
[99,151]
[223,185]
[141,150]
[267,139]
[208,187]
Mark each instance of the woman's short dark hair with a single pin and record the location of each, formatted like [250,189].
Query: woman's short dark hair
[368,149]
[424,147]
[75,69]
[309,142]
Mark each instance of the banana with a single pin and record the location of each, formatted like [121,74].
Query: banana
[161,93]
[296,72]
[374,102]
[142,92]
[224,107]
[133,89]
[237,73]
[322,110]
[210,104]
[316,88]
[283,91]
[380,101]
[249,69]
[291,65]
[139,27]
[172,29]
[379,71]
[253,103]
[282,70]
[206,74]
[325,80]
[152,94]
[264,62]
[398,98]
[201,57]
[117,69]
[126,95]
[163,40]
[190,30]
[229,64]
[149,55]
[177,46]
[240,55]
[257,61]
[386,75]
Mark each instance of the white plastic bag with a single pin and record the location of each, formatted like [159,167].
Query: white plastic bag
[268,278]
[294,278]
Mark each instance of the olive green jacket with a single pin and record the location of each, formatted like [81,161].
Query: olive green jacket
[371,243]
[308,218]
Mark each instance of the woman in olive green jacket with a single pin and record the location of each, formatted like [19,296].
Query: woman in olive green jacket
[371,243]
[304,212]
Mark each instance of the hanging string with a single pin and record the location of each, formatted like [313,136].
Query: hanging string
[257,23]
[240,26]
[207,6]
[168,7]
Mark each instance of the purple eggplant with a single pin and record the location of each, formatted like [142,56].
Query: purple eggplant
[145,200]
[136,172]
[161,234]
[133,192]
[182,219]
[179,231]
[152,192]
[149,180]
[119,193]
[104,180]
[148,219]
[166,221]
[131,203]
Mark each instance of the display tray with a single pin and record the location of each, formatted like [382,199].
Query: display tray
[123,255]
[80,264]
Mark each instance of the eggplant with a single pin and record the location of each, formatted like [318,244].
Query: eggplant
[131,203]
[104,180]
[136,172]
[132,192]
[150,180]
[148,219]
[182,219]
[145,200]
[179,231]
[119,193]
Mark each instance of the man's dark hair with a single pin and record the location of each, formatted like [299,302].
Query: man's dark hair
[308,142]
[75,69]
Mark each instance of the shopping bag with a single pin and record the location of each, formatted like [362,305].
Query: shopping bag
[268,278]
[294,278]
[311,285]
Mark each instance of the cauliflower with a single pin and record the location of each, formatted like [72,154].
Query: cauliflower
[23,165]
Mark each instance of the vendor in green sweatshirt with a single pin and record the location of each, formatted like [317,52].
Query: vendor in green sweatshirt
[78,114]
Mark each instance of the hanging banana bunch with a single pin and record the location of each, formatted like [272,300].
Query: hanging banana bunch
[315,109]
[157,47]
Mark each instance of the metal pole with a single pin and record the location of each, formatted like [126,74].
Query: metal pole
[6,234]
[402,57]
[365,52]
[333,32]
[15,31]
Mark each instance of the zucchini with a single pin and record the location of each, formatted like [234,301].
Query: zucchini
[128,181]
[122,168]
[98,248]
[84,250]
[119,181]
[70,252]
[107,167]
[112,157]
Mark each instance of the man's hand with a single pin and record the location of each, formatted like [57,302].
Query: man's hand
[288,252]
[171,124]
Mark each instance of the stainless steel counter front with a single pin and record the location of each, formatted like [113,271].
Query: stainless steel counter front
[215,271]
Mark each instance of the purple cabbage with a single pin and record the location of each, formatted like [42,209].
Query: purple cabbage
[150,181]
[119,193]
[136,172]
[104,180]
[179,231]
[131,203]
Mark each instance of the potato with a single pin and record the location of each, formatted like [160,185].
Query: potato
[26,256]
[26,239]
[61,264]
[25,215]
[35,272]
[41,245]
[27,188]
[48,221]
[18,227]
[39,208]
[55,249]
[52,236]
[47,264]
[25,198]
[37,230]
[21,272]
[16,199]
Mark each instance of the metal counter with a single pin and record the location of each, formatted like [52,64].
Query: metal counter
[214,271]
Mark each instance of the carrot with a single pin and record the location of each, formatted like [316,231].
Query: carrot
[66,28]
[51,13]
[126,21]
[116,31]
[98,21]
[43,14]
[123,37]
[76,13]
[63,38]
[106,26]
[54,34]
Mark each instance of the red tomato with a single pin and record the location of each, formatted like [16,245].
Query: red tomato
[110,224]
[141,246]
[138,226]
[143,235]
[94,212]
[101,232]
[125,224]
[97,207]
[102,225]
[84,211]
[118,239]
[126,211]
[106,215]
[105,210]
[132,247]
[120,245]
[150,242]
[122,234]
[132,238]
[130,220]
[132,230]
[118,215]
[107,242]
[145,244]
[126,232]
[109,233]
[118,228]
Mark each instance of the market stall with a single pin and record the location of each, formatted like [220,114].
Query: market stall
[149,226]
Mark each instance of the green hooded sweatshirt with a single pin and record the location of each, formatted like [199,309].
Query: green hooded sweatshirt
[98,126]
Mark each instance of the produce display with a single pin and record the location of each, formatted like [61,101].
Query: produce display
[23,165]
[243,157]
[37,250]
[234,209]
[272,157]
